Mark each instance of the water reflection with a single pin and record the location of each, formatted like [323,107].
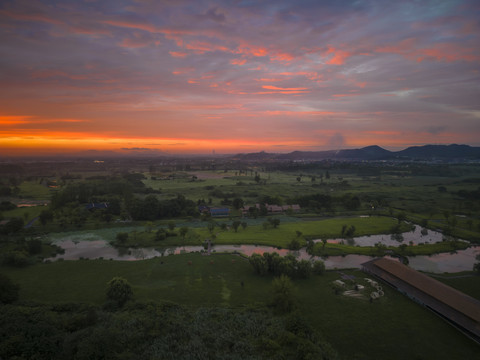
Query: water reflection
[415,237]
[94,249]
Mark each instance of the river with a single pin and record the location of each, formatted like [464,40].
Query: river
[96,247]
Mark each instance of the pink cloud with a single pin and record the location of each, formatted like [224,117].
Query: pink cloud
[31,17]
[270,87]
[339,56]
[447,52]
[238,61]
[178,54]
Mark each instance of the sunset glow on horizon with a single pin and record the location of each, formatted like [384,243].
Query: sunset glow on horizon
[184,77]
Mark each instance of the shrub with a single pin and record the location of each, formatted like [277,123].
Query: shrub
[119,291]
[8,290]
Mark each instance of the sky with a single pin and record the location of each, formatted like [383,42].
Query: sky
[193,76]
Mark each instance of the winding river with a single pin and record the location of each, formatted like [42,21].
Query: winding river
[92,246]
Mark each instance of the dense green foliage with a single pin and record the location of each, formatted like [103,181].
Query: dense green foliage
[8,290]
[274,264]
[155,331]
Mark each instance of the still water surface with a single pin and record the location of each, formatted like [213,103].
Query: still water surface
[96,247]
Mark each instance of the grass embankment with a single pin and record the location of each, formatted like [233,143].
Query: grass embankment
[281,237]
[278,237]
[407,250]
[393,327]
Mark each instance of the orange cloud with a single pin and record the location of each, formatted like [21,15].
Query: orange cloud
[270,87]
[31,17]
[178,54]
[269,80]
[238,61]
[10,120]
[339,56]
[448,52]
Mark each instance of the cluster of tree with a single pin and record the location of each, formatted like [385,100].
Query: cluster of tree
[318,202]
[92,191]
[21,252]
[151,208]
[315,202]
[7,205]
[274,264]
[271,223]
[155,331]
[12,226]
[471,195]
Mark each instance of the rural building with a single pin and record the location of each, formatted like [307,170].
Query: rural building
[216,212]
[459,309]
[273,209]
[93,206]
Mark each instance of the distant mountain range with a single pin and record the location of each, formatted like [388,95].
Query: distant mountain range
[374,152]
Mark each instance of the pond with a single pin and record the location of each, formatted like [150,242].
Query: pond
[414,237]
[96,248]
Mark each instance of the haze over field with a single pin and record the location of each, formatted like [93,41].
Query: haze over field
[237,76]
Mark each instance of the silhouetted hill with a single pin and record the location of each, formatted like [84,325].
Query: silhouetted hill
[453,151]
[374,152]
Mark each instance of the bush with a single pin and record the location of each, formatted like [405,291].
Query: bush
[283,300]
[122,237]
[294,244]
[319,267]
[34,246]
[8,290]
[119,291]
[15,258]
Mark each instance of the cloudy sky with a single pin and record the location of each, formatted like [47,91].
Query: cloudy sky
[237,76]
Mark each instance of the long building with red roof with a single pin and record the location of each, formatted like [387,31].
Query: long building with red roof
[461,310]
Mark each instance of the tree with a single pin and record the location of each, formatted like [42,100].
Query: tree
[294,244]
[319,267]
[211,226]
[8,290]
[171,225]
[183,232]
[257,178]
[324,242]
[148,226]
[283,298]
[275,222]
[34,246]
[304,269]
[258,263]
[45,216]
[244,225]
[401,216]
[236,225]
[237,203]
[122,237]
[119,291]
[476,266]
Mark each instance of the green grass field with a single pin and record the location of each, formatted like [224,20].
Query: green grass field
[277,237]
[393,327]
